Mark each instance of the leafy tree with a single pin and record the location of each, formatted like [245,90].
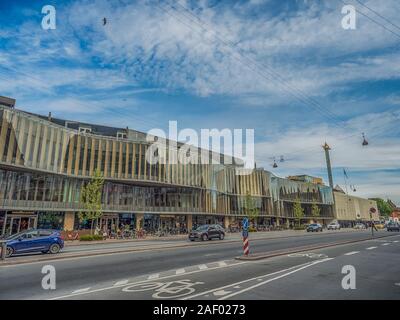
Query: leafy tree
[315,210]
[298,211]
[383,206]
[90,199]
[250,208]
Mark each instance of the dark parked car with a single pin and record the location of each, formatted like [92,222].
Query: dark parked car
[34,240]
[207,232]
[314,227]
[393,226]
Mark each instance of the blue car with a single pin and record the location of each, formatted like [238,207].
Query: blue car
[34,240]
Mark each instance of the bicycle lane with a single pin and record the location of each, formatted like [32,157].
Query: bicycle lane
[219,279]
[178,283]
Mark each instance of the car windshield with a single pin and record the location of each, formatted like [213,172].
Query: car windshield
[313,225]
[16,235]
[201,228]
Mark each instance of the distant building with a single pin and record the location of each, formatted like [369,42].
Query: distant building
[395,215]
[351,209]
[307,178]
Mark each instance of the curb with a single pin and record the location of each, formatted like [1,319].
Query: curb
[277,253]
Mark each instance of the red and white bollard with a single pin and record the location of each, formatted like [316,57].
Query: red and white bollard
[246,249]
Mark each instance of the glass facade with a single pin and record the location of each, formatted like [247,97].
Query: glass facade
[44,164]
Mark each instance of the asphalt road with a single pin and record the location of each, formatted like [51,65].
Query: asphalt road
[210,271]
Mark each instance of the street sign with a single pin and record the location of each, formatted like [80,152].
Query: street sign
[245,233]
[373,210]
[246,224]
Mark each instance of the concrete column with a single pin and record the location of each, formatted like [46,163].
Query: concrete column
[227,221]
[139,218]
[69,220]
[189,222]
[287,223]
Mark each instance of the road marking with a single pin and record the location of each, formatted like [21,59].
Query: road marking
[222,264]
[143,281]
[351,253]
[153,276]
[203,267]
[386,243]
[221,292]
[243,281]
[180,271]
[118,283]
[81,290]
[371,248]
[396,241]
[273,279]
[293,270]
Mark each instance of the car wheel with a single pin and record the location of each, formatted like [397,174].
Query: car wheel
[191,239]
[204,237]
[221,236]
[9,252]
[54,248]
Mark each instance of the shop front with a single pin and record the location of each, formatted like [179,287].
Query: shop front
[14,222]
[199,220]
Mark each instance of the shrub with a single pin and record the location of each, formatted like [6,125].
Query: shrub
[88,237]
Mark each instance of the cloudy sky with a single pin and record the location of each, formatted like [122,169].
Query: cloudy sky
[286,69]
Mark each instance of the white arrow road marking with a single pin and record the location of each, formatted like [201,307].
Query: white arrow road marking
[221,292]
[386,243]
[351,253]
[371,248]
[118,283]
[180,271]
[153,276]
[396,241]
[81,290]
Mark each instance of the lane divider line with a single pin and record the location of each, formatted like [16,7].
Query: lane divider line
[81,290]
[253,279]
[371,248]
[180,271]
[273,279]
[153,276]
[351,253]
[386,243]
[243,281]
[118,283]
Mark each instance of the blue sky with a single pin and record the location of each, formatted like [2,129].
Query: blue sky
[285,68]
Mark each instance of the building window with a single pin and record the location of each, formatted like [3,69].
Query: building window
[121,135]
[85,130]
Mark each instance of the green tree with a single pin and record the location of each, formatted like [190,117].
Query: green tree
[383,206]
[315,210]
[298,211]
[90,199]
[250,208]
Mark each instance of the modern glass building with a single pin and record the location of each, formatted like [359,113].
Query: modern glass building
[44,162]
